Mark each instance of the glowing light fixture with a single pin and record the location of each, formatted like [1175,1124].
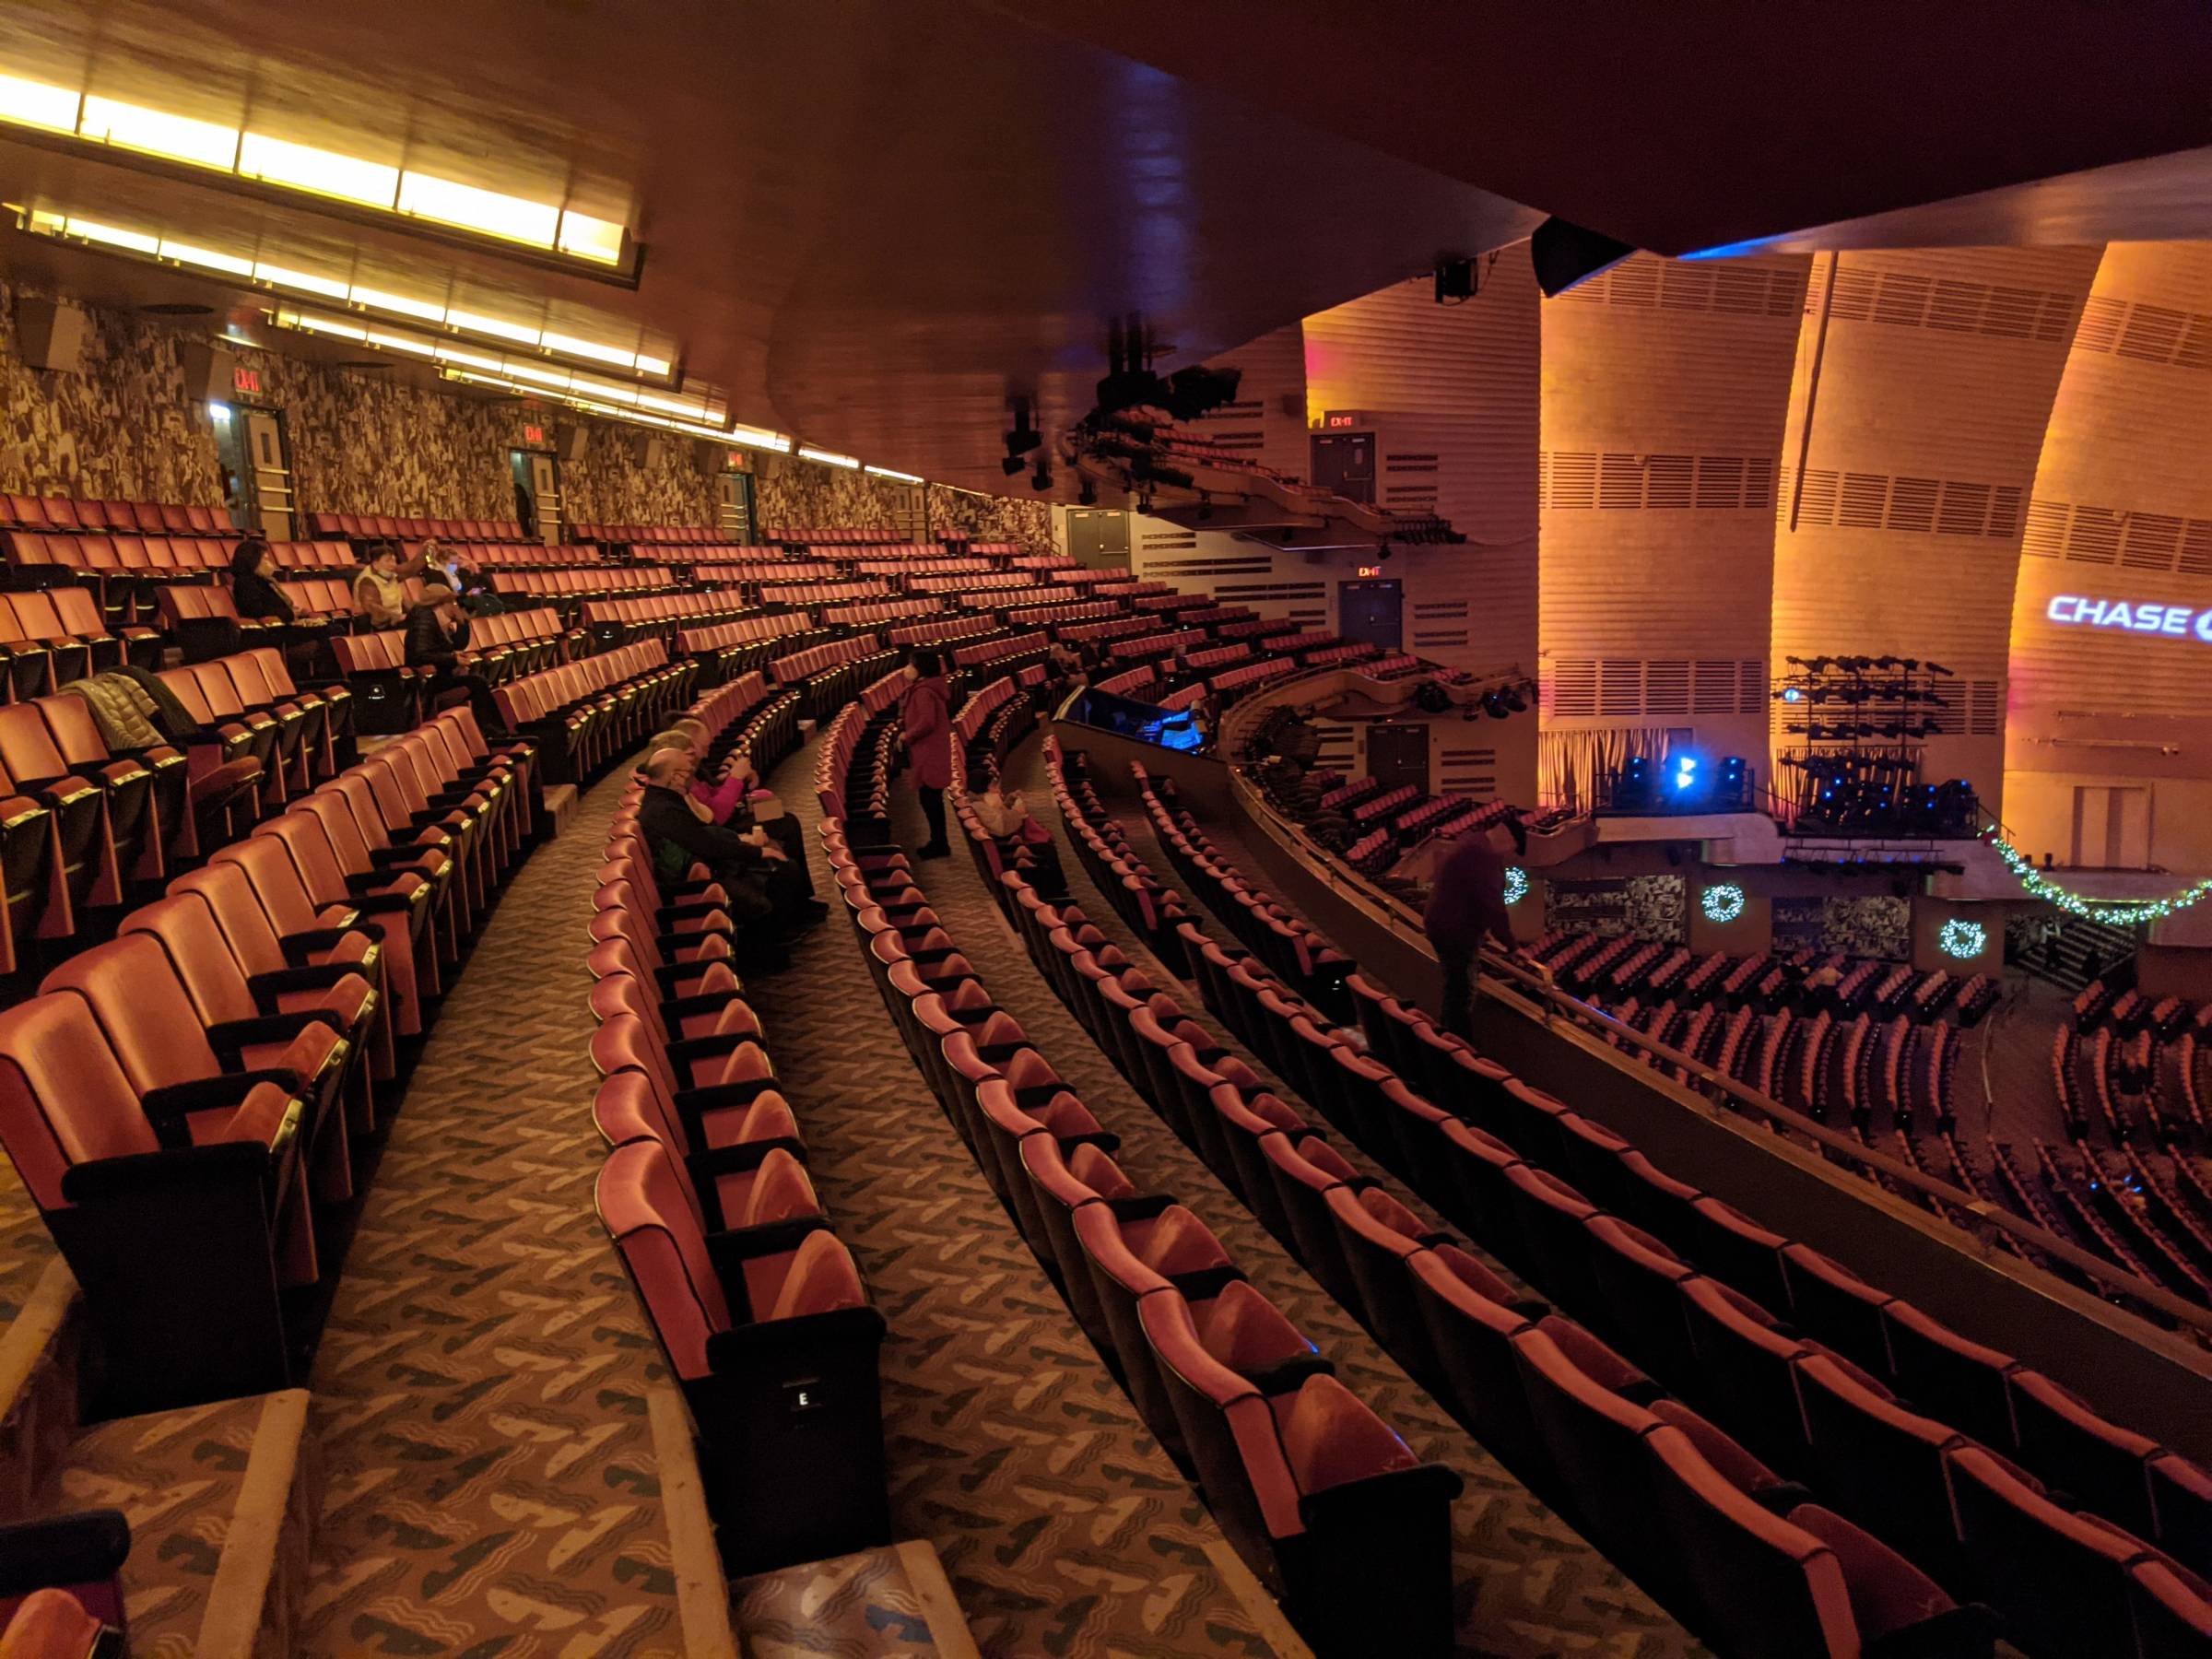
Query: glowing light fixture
[207,259]
[137,241]
[266,160]
[1516,883]
[826,457]
[497,327]
[1961,938]
[510,218]
[1722,903]
[276,276]
[402,305]
[2116,912]
[897,477]
[219,412]
[322,171]
[34,103]
[159,132]
[329,326]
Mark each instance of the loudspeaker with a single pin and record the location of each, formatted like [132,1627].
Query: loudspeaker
[49,333]
[655,452]
[1565,254]
[706,456]
[569,442]
[210,372]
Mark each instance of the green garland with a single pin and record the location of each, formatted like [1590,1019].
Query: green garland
[2120,912]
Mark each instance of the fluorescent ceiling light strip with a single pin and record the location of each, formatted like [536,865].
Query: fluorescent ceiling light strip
[828,457]
[884,472]
[35,103]
[137,242]
[321,171]
[512,218]
[206,258]
[757,437]
[266,159]
[157,133]
[330,288]
[497,327]
[654,365]
[393,342]
[369,299]
[570,345]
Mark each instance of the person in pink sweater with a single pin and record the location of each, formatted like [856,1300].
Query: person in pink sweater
[926,722]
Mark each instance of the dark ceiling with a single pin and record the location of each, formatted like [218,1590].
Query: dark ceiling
[871,221]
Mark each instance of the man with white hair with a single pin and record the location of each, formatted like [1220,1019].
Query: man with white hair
[1467,905]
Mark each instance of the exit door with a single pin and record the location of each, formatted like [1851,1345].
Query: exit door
[1397,752]
[266,466]
[2112,829]
[1345,462]
[1097,537]
[734,507]
[1371,613]
[536,493]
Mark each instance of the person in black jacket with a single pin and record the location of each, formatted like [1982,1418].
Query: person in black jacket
[436,634]
[252,581]
[761,885]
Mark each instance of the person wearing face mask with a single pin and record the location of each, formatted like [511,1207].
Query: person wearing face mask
[926,722]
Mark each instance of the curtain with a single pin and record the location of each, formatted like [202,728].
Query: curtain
[1572,766]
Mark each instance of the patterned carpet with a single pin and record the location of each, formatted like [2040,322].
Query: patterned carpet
[479,1394]
[1529,1585]
[1063,1528]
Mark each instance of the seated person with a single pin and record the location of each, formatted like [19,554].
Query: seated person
[379,592]
[761,882]
[737,800]
[253,588]
[477,596]
[436,634]
[1023,844]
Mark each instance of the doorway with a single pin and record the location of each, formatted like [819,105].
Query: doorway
[257,473]
[2111,828]
[1372,613]
[1345,462]
[1397,752]
[734,507]
[1097,537]
[536,493]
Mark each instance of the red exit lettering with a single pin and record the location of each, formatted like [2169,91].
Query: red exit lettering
[245,380]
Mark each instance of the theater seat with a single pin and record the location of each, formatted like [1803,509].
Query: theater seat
[785,1392]
[119,1179]
[2060,1581]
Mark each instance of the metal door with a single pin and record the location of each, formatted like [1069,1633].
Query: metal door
[544,490]
[1097,537]
[1372,613]
[1397,752]
[272,476]
[734,507]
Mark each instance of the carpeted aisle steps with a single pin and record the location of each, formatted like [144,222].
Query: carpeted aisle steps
[480,1394]
[1062,1527]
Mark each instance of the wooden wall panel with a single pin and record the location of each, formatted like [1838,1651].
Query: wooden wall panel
[2122,510]
[1935,382]
[1454,390]
[1267,421]
[1664,391]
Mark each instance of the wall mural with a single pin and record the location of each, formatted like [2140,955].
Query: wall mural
[1653,907]
[791,494]
[624,478]
[1877,925]
[118,429]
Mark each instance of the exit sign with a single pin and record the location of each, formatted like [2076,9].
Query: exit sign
[245,380]
[1337,422]
[534,434]
[1371,570]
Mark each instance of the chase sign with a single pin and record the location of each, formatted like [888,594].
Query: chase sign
[2174,621]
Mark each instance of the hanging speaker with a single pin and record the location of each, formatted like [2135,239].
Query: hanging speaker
[210,372]
[569,442]
[655,453]
[49,333]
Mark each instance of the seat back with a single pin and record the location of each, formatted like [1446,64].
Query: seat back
[142,1006]
[2060,1579]
[64,1097]
[198,953]
[645,1207]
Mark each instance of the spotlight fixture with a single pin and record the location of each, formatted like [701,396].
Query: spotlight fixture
[1514,699]
[1205,505]
[1022,437]
[1087,496]
[1012,466]
[1041,480]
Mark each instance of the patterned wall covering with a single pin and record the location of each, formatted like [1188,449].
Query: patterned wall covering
[1654,908]
[793,494]
[625,477]
[1877,924]
[119,428]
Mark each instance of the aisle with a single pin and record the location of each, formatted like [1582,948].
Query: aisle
[1062,1525]
[479,1395]
[1529,1585]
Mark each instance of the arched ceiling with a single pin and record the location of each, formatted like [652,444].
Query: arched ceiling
[869,221]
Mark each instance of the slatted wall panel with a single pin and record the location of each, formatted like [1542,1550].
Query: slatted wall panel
[1267,421]
[1456,386]
[1902,535]
[1664,391]
[1236,570]
[2122,503]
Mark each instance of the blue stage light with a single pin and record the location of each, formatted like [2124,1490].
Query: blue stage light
[1792,695]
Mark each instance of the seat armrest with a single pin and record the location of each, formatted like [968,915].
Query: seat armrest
[78,1549]
[167,1106]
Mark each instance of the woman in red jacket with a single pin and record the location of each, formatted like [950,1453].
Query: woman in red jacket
[925,721]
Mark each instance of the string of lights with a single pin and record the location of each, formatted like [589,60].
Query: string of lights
[2115,913]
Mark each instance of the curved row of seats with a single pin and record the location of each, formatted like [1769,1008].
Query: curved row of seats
[1331,1508]
[181,1102]
[759,1308]
[1863,1405]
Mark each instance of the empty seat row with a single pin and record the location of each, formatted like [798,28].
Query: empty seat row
[182,1103]
[146,518]
[583,714]
[384,526]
